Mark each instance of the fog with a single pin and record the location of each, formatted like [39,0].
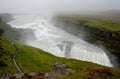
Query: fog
[57,6]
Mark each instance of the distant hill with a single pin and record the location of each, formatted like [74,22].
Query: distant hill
[113,15]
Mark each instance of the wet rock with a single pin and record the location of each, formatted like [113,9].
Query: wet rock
[40,76]
[33,75]
[26,76]
[59,70]
[18,76]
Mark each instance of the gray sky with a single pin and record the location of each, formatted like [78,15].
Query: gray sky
[47,6]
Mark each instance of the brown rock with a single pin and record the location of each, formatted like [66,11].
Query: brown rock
[18,76]
[59,70]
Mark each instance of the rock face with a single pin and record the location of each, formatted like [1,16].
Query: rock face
[60,70]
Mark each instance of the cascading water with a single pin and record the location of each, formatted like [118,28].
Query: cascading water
[59,42]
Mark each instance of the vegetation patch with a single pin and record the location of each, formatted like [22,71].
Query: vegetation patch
[94,73]
[32,59]
[6,53]
[94,23]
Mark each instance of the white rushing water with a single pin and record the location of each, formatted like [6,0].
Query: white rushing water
[58,42]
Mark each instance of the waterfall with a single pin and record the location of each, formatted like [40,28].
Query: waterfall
[58,42]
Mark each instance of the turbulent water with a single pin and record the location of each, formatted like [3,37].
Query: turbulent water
[58,42]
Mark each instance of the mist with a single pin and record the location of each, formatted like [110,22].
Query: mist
[57,6]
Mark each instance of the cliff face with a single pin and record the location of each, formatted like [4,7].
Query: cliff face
[109,40]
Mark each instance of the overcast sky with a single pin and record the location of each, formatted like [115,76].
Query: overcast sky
[41,6]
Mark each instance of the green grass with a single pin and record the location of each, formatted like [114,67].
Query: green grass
[94,23]
[35,60]
[6,53]
[31,59]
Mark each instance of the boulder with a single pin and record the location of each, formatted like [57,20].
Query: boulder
[60,70]
[18,76]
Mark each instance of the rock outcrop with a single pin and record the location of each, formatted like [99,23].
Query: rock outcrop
[59,70]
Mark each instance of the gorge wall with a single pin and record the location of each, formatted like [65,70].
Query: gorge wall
[107,40]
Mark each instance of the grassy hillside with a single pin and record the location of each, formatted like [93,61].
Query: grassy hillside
[94,23]
[35,60]
[6,53]
[31,59]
